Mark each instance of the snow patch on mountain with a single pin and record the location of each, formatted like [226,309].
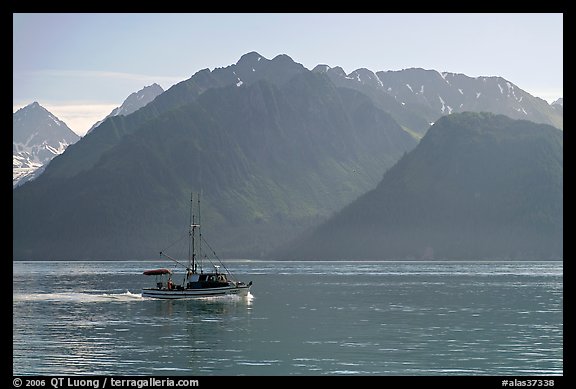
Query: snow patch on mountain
[408,87]
[37,137]
[444,74]
[443,105]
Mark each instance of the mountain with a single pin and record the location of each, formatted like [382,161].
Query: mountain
[251,68]
[477,186]
[37,137]
[416,98]
[273,147]
[558,106]
[134,102]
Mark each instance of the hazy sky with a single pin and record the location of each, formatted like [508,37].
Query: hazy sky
[81,66]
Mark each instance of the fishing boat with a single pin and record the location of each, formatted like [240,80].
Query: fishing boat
[196,282]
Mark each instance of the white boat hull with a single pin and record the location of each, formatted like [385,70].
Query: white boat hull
[192,293]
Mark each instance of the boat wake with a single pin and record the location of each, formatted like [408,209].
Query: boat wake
[78,297]
[84,297]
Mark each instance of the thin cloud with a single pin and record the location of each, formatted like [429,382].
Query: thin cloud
[78,116]
[548,94]
[142,78]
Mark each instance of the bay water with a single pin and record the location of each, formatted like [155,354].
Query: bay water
[301,318]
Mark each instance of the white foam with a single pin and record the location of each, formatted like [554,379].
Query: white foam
[77,297]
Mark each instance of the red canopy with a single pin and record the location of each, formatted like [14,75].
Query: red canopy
[157,272]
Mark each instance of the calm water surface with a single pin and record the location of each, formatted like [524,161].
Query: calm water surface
[301,318]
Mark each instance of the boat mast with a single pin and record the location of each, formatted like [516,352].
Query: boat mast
[191,236]
[199,234]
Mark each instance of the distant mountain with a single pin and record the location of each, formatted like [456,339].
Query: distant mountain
[37,137]
[478,186]
[417,98]
[134,102]
[272,156]
[251,68]
[558,106]
[275,149]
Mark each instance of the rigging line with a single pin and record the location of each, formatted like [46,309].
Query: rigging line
[176,241]
[219,260]
[209,260]
[173,259]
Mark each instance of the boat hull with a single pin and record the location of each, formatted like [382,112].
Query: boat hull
[195,293]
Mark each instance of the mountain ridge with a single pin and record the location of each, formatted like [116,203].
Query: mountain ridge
[237,145]
[87,152]
[417,97]
[133,102]
[286,147]
[478,186]
[37,137]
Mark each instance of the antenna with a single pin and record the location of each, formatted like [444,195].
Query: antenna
[199,233]
[191,235]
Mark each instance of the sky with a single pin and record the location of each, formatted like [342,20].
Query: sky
[81,66]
